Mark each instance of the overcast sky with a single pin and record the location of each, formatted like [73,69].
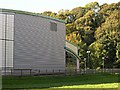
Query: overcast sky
[47,5]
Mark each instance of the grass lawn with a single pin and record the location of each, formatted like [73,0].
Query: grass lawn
[53,82]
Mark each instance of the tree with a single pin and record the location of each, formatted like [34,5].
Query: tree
[94,27]
[109,35]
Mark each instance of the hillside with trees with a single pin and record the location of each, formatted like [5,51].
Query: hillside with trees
[95,28]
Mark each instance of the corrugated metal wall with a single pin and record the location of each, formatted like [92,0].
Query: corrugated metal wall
[36,46]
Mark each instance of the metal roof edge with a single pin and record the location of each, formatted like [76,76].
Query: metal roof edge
[30,13]
[70,50]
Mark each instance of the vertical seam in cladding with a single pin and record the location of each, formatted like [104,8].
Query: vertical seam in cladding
[13,39]
[5,40]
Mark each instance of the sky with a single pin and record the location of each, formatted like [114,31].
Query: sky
[40,6]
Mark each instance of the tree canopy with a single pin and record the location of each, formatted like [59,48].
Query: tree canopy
[95,28]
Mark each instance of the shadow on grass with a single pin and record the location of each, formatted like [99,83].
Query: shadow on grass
[43,82]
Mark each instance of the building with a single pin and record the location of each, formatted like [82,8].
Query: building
[31,41]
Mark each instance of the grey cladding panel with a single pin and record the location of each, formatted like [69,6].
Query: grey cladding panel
[6,39]
[36,45]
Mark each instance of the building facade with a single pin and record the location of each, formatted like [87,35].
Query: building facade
[31,42]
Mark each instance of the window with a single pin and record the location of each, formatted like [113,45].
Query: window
[53,26]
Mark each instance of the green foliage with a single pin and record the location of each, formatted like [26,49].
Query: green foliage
[96,28]
[92,5]
[78,12]
[49,13]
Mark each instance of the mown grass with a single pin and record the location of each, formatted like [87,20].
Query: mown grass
[52,82]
